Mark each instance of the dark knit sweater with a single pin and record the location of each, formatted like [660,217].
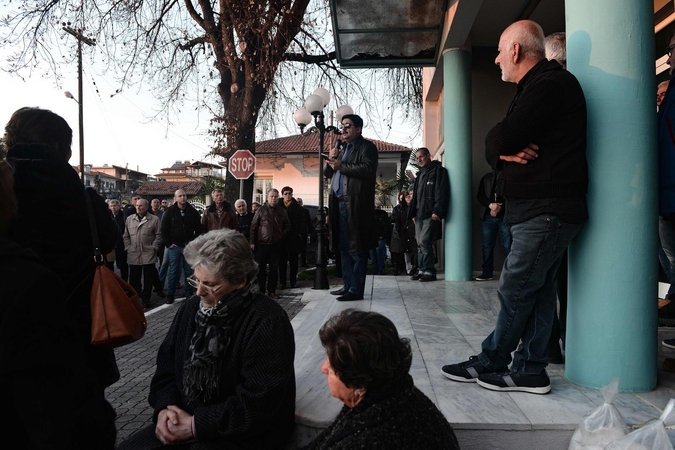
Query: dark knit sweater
[549,110]
[255,408]
[404,418]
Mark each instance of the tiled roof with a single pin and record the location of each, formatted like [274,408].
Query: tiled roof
[310,144]
[168,187]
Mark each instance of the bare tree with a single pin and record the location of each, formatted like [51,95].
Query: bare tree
[244,60]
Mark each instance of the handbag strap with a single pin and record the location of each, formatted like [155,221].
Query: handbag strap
[98,256]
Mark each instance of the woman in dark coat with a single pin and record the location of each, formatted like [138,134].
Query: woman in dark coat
[51,400]
[225,376]
[53,219]
[400,239]
[367,368]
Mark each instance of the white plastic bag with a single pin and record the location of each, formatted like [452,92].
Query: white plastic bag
[603,425]
[652,436]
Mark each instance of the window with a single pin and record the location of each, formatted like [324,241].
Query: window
[260,188]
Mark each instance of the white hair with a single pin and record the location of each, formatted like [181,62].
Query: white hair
[242,201]
[555,48]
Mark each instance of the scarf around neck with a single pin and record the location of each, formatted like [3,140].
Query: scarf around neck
[210,342]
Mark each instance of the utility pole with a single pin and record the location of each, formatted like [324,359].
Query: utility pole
[80,39]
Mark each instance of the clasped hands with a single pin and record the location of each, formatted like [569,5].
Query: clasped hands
[173,425]
[529,153]
[495,209]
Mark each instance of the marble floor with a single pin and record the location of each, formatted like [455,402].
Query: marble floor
[446,322]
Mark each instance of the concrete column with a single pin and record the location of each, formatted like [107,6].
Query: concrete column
[611,328]
[457,138]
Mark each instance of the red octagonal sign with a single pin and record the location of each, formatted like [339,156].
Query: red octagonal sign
[241,164]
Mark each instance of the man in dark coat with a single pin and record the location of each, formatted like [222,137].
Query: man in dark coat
[352,170]
[181,224]
[120,253]
[428,208]
[290,247]
[305,228]
[492,221]
[39,148]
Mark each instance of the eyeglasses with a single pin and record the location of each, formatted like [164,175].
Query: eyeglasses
[669,49]
[347,126]
[195,283]
[287,193]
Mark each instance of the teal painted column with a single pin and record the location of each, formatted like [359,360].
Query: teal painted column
[457,138]
[612,324]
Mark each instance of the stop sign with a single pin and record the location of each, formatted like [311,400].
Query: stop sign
[241,164]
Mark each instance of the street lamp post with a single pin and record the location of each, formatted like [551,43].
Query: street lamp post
[314,105]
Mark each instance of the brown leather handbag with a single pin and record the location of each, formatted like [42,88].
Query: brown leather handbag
[117,316]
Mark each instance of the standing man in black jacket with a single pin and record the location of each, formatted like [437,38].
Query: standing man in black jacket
[181,224]
[352,204]
[492,222]
[428,209]
[120,253]
[290,247]
[540,147]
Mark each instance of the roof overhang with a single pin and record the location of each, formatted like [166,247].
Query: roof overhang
[388,33]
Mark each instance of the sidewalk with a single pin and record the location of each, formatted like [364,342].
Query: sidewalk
[136,362]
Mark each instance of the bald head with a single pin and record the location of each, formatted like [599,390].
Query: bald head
[521,46]
[180,198]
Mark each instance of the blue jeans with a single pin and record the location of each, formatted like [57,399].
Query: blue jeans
[527,295]
[176,262]
[490,227]
[354,267]
[425,230]
[378,256]
[667,257]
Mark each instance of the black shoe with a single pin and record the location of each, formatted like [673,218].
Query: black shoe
[283,286]
[293,286]
[467,371]
[428,277]
[169,299]
[160,294]
[349,297]
[516,382]
[341,291]
[483,277]
[555,355]
[670,343]
[417,276]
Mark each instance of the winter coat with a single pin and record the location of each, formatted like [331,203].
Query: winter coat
[487,194]
[404,418]
[269,225]
[227,219]
[359,171]
[404,230]
[43,177]
[51,400]
[294,241]
[666,141]
[431,192]
[142,239]
[256,403]
[178,229]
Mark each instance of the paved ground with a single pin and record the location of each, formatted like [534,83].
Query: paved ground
[129,396]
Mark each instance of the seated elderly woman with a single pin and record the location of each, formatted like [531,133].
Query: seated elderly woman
[367,368]
[225,376]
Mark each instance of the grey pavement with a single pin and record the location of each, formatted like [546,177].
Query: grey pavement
[136,362]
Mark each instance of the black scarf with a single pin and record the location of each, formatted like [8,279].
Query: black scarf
[210,342]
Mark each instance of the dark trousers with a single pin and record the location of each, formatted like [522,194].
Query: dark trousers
[150,278]
[560,320]
[268,254]
[303,251]
[287,256]
[121,261]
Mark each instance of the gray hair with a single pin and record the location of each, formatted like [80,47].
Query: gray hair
[663,83]
[223,253]
[555,48]
[272,190]
[240,200]
[147,203]
[114,201]
[217,190]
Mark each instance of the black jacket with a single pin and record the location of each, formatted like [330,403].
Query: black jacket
[359,171]
[51,400]
[256,405]
[120,221]
[43,177]
[487,193]
[434,195]
[294,241]
[403,419]
[178,229]
[549,110]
